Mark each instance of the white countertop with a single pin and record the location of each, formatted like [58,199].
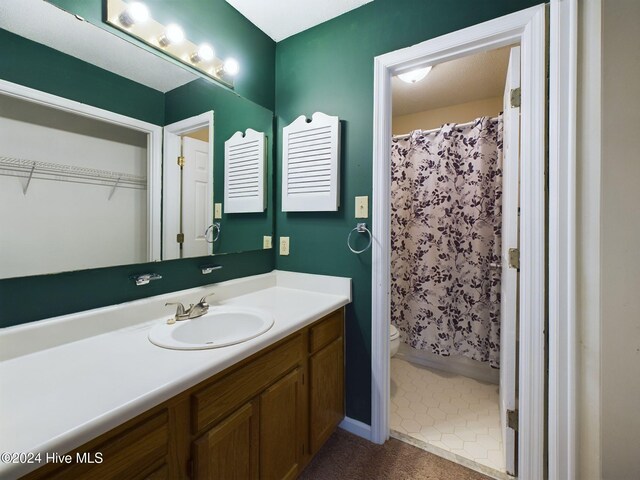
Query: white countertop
[56,398]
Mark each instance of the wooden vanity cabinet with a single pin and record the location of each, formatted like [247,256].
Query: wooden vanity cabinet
[230,449]
[326,374]
[263,418]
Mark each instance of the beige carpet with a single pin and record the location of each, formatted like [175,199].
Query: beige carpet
[346,456]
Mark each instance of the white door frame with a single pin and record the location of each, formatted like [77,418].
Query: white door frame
[527,28]
[154,147]
[171,176]
[563,64]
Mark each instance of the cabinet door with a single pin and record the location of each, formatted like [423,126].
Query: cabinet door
[281,445]
[326,371]
[229,450]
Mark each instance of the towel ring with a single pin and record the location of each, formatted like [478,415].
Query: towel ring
[215,225]
[360,228]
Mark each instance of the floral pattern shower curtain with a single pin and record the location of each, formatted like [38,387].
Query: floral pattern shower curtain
[446,219]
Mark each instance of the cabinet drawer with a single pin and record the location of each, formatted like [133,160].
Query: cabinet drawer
[326,331]
[215,401]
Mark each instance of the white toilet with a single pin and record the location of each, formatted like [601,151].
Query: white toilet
[394,340]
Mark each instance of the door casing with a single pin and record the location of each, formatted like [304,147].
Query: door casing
[171,177]
[526,27]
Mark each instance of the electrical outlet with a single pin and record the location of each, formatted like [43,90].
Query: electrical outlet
[266,242]
[284,245]
[362,207]
[217,211]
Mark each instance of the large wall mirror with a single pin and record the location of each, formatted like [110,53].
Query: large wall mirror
[79,190]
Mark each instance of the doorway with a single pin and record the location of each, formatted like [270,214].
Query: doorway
[526,28]
[454,203]
[188,226]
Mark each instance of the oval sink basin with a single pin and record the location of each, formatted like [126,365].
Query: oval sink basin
[220,327]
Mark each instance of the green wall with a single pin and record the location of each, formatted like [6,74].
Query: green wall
[232,113]
[32,298]
[212,21]
[329,68]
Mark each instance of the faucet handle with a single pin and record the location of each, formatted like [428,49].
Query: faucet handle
[203,300]
[180,308]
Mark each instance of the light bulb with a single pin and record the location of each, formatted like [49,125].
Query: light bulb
[173,35]
[136,12]
[205,53]
[414,75]
[231,66]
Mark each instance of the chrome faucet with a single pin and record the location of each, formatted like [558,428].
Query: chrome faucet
[194,311]
[180,315]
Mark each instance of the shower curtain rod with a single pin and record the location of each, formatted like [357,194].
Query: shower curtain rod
[424,132]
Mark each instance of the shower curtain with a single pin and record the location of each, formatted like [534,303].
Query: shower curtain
[446,219]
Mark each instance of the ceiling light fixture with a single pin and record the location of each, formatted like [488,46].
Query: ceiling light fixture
[173,35]
[415,75]
[136,12]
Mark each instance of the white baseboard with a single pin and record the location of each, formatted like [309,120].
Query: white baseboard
[356,427]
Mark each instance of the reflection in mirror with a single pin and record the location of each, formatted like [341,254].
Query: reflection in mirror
[91,65]
[73,188]
[236,232]
[188,188]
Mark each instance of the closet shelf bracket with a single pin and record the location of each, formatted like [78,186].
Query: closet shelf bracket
[26,187]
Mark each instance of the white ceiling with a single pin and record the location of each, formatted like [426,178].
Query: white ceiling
[282,18]
[44,23]
[474,77]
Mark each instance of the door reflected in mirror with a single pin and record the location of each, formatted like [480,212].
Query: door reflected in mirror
[188,191]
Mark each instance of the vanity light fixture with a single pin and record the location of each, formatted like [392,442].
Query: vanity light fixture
[231,66]
[415,75]
[136,12]
[133,18]
[173,35]
[205,53]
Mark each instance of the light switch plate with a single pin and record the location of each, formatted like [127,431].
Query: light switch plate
[217,211]
[266,242]
[284,245]
[362,207]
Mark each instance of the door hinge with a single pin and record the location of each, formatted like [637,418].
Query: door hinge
[181,161]
[515,97]
[180,238]
[512,419]
[514,258]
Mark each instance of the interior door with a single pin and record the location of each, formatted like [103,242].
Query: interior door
[197,197]
[509,280]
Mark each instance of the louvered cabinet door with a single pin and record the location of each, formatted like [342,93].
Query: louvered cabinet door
[244,173]
[311,164]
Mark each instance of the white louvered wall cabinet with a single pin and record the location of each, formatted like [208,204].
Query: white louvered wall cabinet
[245,173]
[311,164]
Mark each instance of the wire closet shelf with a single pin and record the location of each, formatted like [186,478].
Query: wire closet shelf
[30,169]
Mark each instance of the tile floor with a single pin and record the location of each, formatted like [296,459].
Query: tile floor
[454,413]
